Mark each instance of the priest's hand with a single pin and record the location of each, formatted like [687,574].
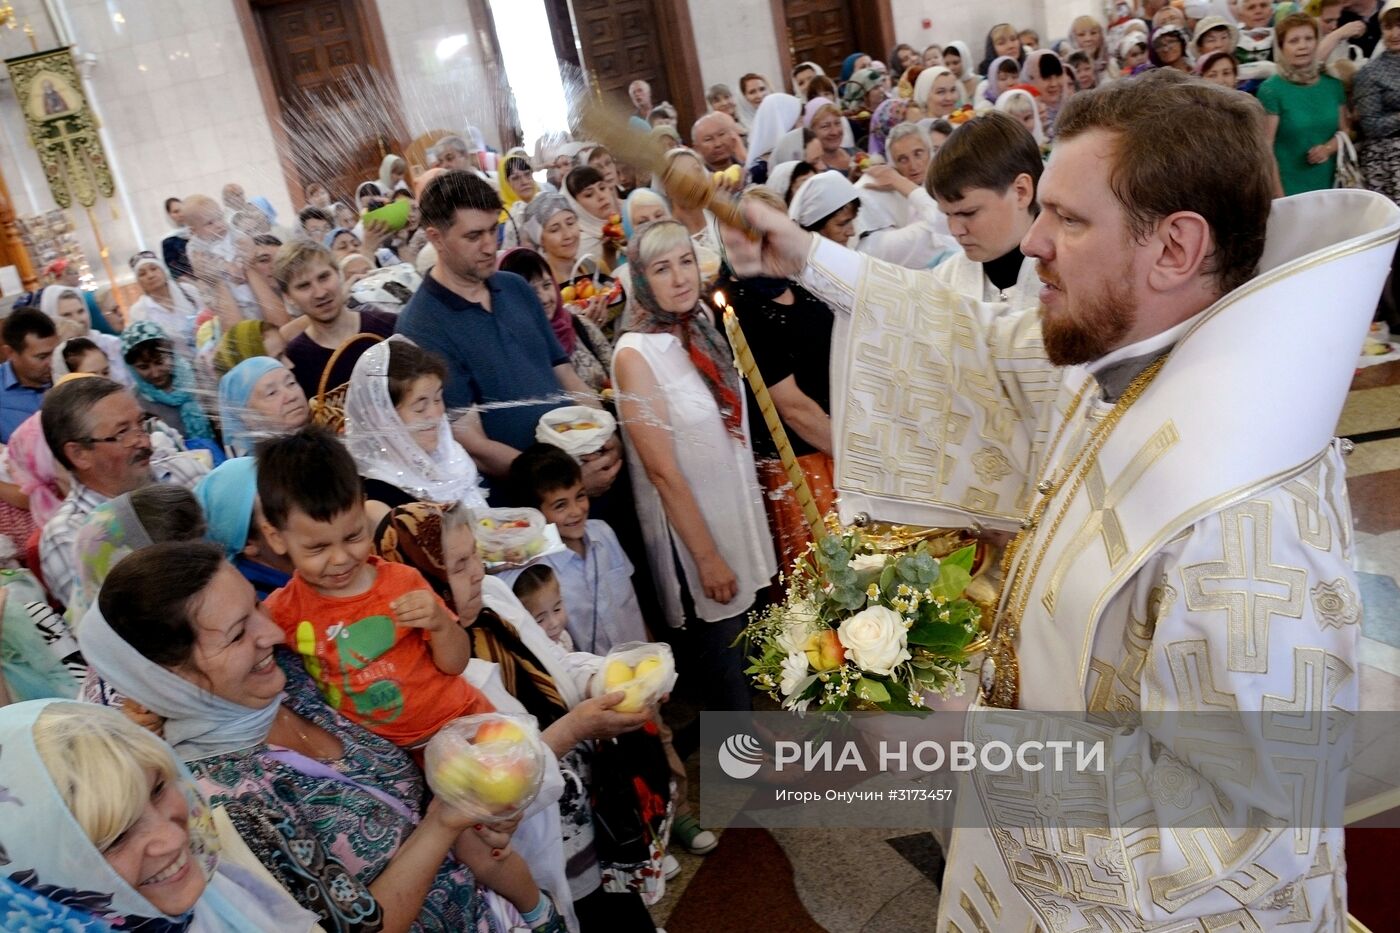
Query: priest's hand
[780,251]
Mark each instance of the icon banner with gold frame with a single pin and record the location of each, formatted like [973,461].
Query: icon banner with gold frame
[62,127]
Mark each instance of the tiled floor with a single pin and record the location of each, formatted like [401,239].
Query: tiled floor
[785,881]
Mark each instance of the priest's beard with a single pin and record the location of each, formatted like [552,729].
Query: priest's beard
[1084,329]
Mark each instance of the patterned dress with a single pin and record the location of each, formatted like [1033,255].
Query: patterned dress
[360,816]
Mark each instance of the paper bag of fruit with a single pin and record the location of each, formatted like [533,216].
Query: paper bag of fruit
[510,536]
[644,671]
[576,429]
[489,766]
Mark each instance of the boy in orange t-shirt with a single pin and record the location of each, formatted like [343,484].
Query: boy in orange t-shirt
[385,651]
[383,648]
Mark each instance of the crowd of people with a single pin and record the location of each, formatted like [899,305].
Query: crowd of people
[289,430]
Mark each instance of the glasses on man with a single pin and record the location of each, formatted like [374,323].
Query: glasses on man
[126,437]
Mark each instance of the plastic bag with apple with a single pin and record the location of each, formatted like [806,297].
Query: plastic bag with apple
[576,429]
[489,766]
[644,671]
[510,536]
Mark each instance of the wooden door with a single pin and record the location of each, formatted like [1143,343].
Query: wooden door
[820,31]
[323,62]
[621,44]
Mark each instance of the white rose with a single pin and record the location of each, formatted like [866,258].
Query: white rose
[794,671]
[876,639]
[864,563]
[868,567]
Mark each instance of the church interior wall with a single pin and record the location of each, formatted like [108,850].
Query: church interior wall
[174,86]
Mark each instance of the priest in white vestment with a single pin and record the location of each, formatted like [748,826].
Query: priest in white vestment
[1160,434]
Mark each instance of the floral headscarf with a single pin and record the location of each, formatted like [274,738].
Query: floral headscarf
[33,467]
[886,117]
[708,351]
[412,535]
[181,394]
[861,83]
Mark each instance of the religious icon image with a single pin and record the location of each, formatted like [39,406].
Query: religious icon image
[51,96]
[62,127]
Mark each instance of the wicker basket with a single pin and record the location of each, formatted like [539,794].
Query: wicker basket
[328,408]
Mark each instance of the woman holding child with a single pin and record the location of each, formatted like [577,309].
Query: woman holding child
[548,683]
[335,812]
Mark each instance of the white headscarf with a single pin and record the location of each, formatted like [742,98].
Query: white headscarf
[178,319]
[780,178]
[969,67]
[924,86]
[590,228]
[385,450]
[776,115]
[1004,105]
[110,346]
[824,195]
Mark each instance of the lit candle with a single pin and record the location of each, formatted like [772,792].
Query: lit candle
[743,358]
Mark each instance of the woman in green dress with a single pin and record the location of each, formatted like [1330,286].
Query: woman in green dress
[1306,109]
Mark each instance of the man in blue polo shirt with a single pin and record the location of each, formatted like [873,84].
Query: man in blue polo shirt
[491,329]
[28,373]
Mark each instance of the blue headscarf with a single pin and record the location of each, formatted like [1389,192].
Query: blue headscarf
[60,873]
[26,911]
[234,391]
[264,205]
[848,66]
[227,495]
[181,394]
[330,237]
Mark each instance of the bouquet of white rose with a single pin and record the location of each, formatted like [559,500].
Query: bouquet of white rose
[862,629]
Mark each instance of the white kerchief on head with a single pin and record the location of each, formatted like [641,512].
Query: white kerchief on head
[385,449]
[823,196]
[777,114]
[198,724]
[924,85]
[46,850]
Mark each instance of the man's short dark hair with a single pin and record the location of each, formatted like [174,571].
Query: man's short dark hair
[267,239]
[542,469]
[63,416]
[455,191]
[310,471]
[989,151]
[314,213]
[1214,161]
[170,201]
[25,321]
